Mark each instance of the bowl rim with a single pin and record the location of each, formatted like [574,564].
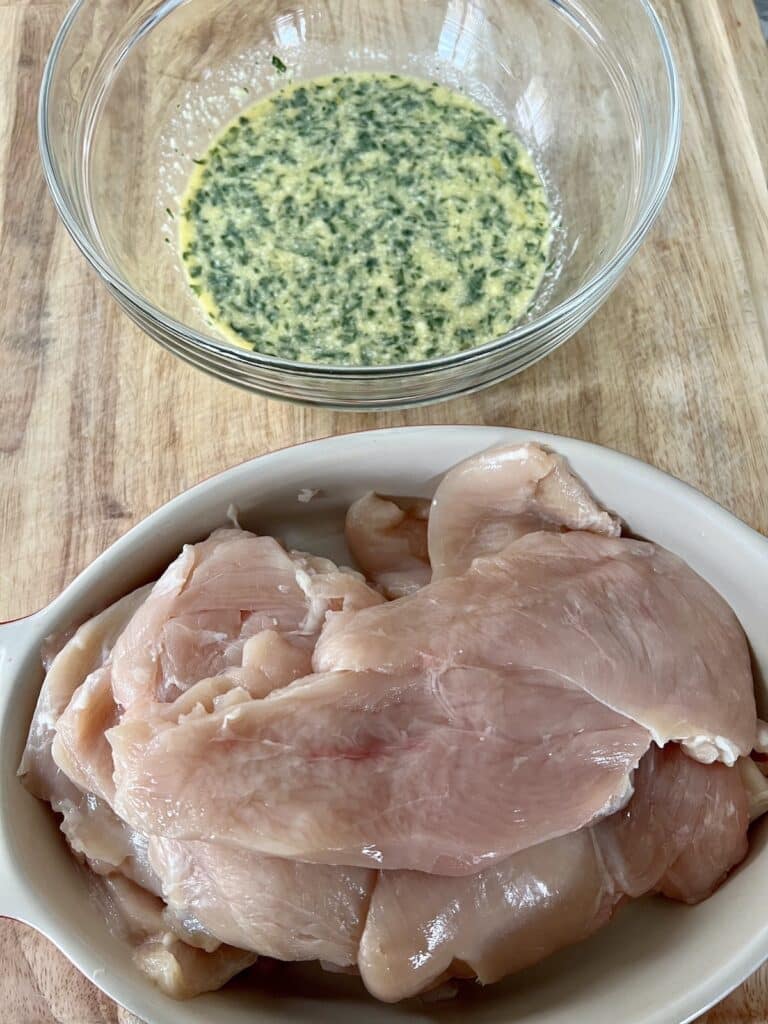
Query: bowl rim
[589,292]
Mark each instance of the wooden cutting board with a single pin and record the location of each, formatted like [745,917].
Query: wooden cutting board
[98,425]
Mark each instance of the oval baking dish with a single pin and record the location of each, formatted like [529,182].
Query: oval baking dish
[661,963]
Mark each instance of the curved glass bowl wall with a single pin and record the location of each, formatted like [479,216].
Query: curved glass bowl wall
[134,90]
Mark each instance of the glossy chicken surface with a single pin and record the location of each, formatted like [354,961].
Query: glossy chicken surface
[487,502]
[449,765]
[388,539]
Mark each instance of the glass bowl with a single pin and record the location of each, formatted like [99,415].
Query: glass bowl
[134,90]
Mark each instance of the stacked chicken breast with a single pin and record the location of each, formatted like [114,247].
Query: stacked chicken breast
[452,767]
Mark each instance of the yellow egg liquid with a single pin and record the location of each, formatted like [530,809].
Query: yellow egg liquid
[365,219]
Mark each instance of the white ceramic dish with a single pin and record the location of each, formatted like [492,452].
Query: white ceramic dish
[657,963]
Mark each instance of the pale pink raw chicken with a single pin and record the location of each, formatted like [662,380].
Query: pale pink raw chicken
[79,788]
[626,621]
[85,653]
[416,709]
[74,707]
[388,539]
[68,760]
[212,600]
[485,503]
[465,782]
[440,771]
[683,830]
[276,907]
[181,960]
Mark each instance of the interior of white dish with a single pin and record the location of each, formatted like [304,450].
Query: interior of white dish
[656,963]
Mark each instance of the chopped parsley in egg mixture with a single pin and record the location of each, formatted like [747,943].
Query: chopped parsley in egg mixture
[365,219]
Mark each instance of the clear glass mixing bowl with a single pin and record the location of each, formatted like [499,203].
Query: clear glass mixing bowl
[134,90]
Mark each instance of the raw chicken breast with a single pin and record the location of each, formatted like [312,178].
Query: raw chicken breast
[181,968]
[83,654]
[97,836]
[79,747]
[281,909]
[268,906]
[85,791]
[423,928]
[755,783]
[683,831]
[685,827]
[270,661]
[278,908]
[259,755]
[626,621]
[67,760]
[441,771]
[215,597]
[485,503]
[80,786]
[388,539]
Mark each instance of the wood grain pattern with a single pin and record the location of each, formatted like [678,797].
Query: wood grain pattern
[98,425]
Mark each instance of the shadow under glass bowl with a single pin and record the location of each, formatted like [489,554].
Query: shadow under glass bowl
[134,90]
